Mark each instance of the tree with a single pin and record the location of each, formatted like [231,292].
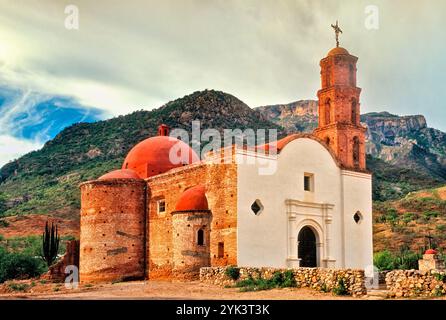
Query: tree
[50,244]
[3,206]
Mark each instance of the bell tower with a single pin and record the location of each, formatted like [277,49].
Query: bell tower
[339,113]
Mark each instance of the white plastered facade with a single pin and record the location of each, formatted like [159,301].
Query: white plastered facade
[270,238]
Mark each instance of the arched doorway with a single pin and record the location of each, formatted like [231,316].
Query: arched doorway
[306,250]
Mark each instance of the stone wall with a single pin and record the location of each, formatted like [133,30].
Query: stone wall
[321,279]
[415,283]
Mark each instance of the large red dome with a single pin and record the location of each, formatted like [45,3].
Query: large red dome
[159,154]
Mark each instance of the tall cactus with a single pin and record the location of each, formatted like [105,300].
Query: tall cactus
[50,244]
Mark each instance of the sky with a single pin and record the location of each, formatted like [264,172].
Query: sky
[134,55]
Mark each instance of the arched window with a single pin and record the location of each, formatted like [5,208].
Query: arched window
[327,77]
[327,141]
[354,111]
[356,151]
[200,237]
[327,112]
[352,75]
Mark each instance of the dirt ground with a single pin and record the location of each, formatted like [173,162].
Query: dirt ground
[153,290]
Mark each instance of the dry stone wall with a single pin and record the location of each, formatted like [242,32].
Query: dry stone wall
[316,278]
[415,283]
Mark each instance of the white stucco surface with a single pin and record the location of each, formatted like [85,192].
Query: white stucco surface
[270,238]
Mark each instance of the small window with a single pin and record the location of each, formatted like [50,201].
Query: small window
[257,207]
[161,206]
[308,182]
[221,249]
[200,237]
[357,217]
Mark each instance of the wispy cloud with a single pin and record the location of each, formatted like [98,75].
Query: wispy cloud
[28,119]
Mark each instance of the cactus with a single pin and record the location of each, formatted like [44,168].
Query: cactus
[50,244]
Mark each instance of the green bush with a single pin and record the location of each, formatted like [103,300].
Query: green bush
[391,214]
[384,260]
[341,288]
[233,272]
[405,259]
[278,280]
[441,227]
[408,217]
[430,214]
[18,286]
[19,266]
[440,277]
[3,206]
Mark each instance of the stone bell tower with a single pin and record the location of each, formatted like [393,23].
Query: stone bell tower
[339,113]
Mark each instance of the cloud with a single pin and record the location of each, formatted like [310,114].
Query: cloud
[29,119]
[12,148]
[145,53]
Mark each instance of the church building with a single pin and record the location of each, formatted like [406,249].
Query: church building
[157,220]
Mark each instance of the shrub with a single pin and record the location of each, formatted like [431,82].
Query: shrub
[233,272]
[408,217]
[407,260]
[440,277]
[384,260]
[19,266]
[288,279]
[430,214]
[441,227]
[391,214]
[18,286]
[341,288]
[278,280]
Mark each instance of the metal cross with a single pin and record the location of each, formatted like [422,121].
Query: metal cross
[337,30]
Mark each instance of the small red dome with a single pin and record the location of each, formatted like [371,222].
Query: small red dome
[431,251]
[336,51]
[120,174]
[159,154]
[193,199]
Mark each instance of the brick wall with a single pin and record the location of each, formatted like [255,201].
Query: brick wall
[188,255]
[220,181]
[112,230]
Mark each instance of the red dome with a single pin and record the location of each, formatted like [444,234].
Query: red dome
[336,51]
[193,199]
[430,251]
[153,156]
[120,174]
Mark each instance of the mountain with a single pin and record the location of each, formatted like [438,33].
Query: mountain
[299,116]
[403,152]
[405,223]
[46,181]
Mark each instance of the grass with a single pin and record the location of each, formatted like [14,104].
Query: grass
[19,286]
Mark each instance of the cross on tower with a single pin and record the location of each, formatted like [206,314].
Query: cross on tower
[337,30]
